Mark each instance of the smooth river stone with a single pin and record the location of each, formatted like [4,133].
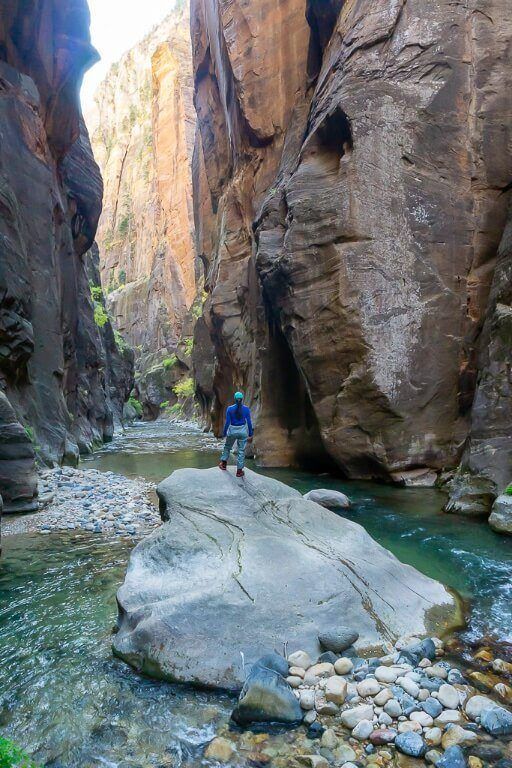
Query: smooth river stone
[351,717]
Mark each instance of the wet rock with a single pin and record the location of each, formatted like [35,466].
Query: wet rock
[452,758]
[433,736]
[476,705]
[410,744]
[315,731]
[266,697]
[169,606]
[330,500]
[497,721]
[455,735]
[18,476]
[329,739]
[220,749]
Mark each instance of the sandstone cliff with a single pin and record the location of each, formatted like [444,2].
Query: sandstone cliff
[348,176]
[54,365]
[142,130]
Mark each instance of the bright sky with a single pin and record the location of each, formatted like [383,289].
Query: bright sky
[116,26]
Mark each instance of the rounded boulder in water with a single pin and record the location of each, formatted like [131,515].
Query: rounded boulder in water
[328,499]
[497,721]
[453,757]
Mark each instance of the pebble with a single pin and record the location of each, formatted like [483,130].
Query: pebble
[393,708]
[409,686]
[336,689]
[343,666]
[476,705]
[220,749]
[452,758]
[329,739]
[383,697]
[345,754]
[351,717]
[362,730]
[310,716]
[368,687]
[433,756]
[497,721]
[300,659]
[409,726]
[296,672]
[448,716]
[432,707]
[448,696]
[307,699]
[410,744]
[70,511]
[383,736]
[455,735]
[338,641]
[422,718]
[433,736]
[387,674]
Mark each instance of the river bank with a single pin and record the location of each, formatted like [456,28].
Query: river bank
[72,705]
[89,500]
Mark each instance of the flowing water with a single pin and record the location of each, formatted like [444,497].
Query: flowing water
[70,703]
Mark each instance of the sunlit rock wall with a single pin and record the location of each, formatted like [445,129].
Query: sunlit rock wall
[142,128]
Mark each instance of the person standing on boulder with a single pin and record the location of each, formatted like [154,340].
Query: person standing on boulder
[238,427]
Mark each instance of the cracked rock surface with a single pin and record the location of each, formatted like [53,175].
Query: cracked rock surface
[241,567]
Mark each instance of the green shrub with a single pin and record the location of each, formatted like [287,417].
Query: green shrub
[100,315]
[508,490]
[122,277]
[30,433]
[96,292]
[12,756]
[184,388]
[189,346]
[164,405]
[136,405]
[176,410]
[169,362]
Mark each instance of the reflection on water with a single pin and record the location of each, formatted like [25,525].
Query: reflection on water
[65,698]
[62,694]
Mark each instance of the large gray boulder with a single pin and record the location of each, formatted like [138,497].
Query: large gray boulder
[500,519]
[245,566]
[328,498]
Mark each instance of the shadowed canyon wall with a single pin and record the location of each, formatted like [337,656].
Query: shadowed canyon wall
[62,377]
[350,176]
[142,129]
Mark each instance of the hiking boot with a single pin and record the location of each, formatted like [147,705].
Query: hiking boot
[240,473]
[223,465]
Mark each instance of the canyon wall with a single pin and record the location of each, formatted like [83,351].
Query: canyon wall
[350,183]
[60,392]
[142,128]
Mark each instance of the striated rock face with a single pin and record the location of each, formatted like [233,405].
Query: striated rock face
[142,132]
[348,171]
[53,362]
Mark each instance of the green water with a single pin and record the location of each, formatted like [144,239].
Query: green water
[64,697]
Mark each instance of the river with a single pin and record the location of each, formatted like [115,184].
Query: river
[70,703]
